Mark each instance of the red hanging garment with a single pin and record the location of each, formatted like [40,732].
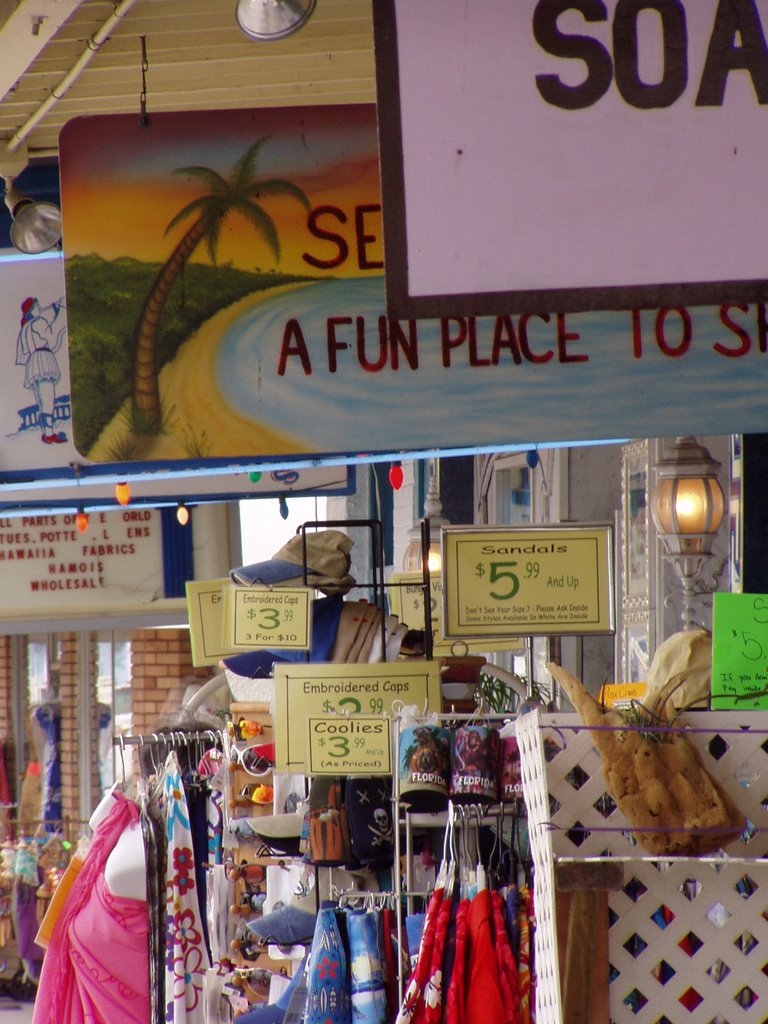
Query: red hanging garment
[388,940]
[412,1008]
[454,1000]
[483,1002]
[433,993]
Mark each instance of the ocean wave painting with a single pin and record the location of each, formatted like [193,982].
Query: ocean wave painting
[579,376]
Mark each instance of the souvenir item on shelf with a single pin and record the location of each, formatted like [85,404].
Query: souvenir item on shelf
[97,963]
[367,989]
[328,984]
[324,555]
[369,809]
[424,765]
[329,840]
[286,926]
[475,764]
[656,777]
[510,781]
[187,958]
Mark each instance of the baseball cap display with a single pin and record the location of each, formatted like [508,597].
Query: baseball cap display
[325,555]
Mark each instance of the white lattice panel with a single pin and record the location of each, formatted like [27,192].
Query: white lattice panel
[688,939]
[534,780]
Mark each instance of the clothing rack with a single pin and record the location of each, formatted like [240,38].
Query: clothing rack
[430,820]
[174,737]
[161,743]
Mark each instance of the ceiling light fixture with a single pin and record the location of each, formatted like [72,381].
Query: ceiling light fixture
[36,225]
[265,20]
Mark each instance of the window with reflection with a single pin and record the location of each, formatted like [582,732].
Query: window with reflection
[42,755]
[114,695]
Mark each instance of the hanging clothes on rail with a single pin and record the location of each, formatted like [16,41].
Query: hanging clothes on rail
[187,957]
[466,971]
[27,878]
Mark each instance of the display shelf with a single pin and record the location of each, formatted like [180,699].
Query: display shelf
[688,936]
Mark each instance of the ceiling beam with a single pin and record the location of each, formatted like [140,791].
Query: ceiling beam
[25,33]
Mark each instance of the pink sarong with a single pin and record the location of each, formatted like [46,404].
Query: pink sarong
[109,942]
[96,970]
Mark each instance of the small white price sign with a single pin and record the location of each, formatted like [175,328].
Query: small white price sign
[348,745]
[267,617]
[531,581]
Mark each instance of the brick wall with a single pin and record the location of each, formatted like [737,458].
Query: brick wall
[6,681]
[7,738]
[69,751]
[161,661]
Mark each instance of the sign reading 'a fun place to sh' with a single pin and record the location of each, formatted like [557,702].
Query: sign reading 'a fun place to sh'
[267,335]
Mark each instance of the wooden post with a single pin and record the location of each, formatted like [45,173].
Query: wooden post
[582,920]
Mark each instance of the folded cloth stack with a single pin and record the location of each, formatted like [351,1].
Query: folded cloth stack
[361,632]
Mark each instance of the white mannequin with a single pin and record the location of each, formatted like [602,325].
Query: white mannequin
[126,869]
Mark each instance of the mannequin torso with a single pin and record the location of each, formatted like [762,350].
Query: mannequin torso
[126,869]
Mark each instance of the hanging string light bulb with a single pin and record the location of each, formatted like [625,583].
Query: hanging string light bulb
[122,493]
[182,514]
[254,476]
[396,476]
[283,507]
[81,520]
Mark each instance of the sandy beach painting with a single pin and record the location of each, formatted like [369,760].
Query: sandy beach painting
[172,229]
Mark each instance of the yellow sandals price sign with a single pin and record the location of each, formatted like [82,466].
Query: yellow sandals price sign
[349,745]
[527,581]
[310,691]
[267,617]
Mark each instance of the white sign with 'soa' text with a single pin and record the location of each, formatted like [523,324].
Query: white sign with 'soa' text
[46,561]
[563,155]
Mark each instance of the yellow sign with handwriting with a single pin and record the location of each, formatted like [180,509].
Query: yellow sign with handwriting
[739,652]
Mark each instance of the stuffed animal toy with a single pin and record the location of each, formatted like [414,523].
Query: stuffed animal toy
[656,778]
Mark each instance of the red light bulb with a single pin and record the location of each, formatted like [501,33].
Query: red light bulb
[396,477]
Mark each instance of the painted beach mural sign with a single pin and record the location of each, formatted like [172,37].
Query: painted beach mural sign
[226,298]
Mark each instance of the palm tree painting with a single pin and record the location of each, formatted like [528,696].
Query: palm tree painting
[239,193]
